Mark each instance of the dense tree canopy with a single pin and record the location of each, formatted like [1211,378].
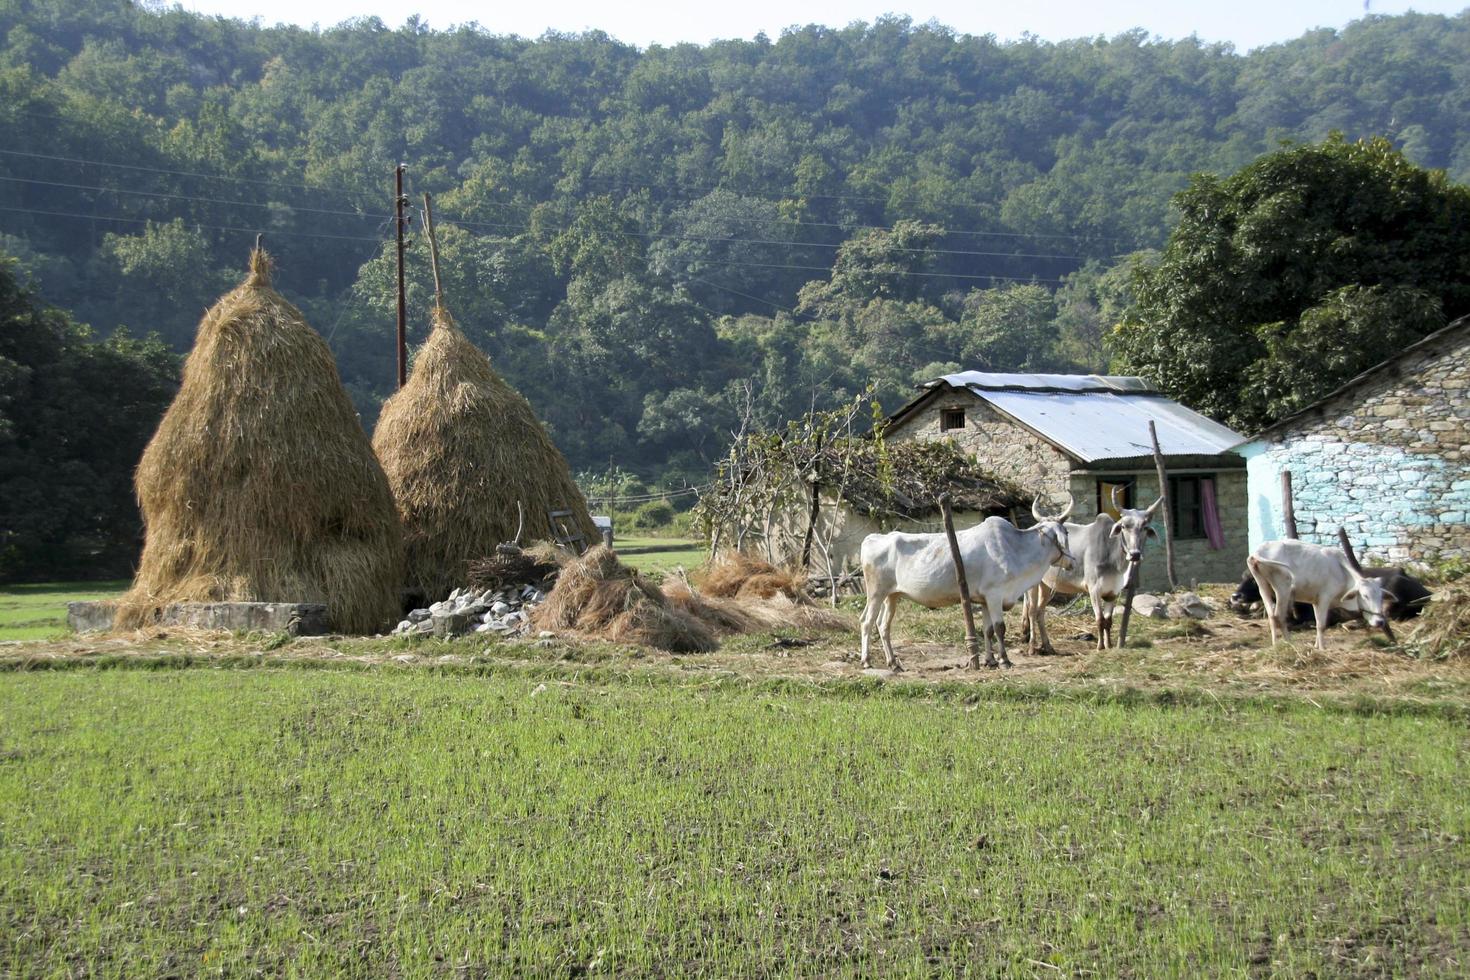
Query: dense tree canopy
[650,243]
[75,414]
[1301,270]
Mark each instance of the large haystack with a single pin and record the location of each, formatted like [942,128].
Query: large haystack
[260,484]
[461,449]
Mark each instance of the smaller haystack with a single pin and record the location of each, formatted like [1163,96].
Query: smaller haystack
[260,484]
[598,597]
[462,449]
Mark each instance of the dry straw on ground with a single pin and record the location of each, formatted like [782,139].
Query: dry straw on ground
[598,597]
[260,484]
[745,577]
[1443,629]
[461,449]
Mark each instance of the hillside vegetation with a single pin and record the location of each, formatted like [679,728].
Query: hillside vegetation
[649,241]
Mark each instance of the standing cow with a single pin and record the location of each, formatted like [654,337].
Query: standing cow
[1106,552]
[1001,562]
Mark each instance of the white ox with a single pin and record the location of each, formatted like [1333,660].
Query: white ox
[1296,571]
[1105,551]
[1001,563]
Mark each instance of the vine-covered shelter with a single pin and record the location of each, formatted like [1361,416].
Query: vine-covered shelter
[1086,434]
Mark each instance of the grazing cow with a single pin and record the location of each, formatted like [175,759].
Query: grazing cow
[1325,577]
[1404,598]
[1001,562]
[1105,551]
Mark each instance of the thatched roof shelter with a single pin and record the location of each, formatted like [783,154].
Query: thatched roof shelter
[461,449]
[260,484]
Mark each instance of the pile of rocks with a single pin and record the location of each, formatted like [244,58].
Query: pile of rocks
[505,612]
[1185,605]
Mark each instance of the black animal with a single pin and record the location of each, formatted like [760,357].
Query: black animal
[1406,598]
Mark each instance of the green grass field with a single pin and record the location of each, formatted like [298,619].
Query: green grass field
[661,555]
[38,612]
[399,822]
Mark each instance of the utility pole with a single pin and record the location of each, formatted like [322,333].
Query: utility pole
[1169,528]
[398,222]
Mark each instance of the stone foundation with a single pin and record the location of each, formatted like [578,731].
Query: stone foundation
[295,618]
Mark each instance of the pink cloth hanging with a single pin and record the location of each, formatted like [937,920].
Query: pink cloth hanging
[1213,531]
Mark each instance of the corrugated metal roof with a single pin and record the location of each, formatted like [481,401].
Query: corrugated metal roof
[990,381]
[1094,425]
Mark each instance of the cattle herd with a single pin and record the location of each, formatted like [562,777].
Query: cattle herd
[1005,565]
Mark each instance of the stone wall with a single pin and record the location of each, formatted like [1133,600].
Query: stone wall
[1388,460]
[1004,448]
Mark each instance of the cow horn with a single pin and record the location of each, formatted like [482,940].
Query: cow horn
[1347,549]
[1116,502]
[1153,508]
[1036,509]
[1067,511]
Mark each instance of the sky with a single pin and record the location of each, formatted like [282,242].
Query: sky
[1245,23]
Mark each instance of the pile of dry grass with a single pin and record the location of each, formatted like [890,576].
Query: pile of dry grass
[1443,630]
[260,484]
[461,449]
[727,615]
[744,577]
[597,596]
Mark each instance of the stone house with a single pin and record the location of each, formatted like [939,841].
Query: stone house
[1085,434]
[1386,456]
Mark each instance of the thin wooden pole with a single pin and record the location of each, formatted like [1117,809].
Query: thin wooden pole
[1130,589]
[972,639]
[433,251]
[1153,435]
[1288,506]
[398,202]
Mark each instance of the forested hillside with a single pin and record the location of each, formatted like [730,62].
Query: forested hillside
[636,237]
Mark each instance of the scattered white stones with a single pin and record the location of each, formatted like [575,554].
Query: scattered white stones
[1185,605]
[505,612]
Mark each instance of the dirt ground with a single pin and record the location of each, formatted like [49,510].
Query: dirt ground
[1227,655]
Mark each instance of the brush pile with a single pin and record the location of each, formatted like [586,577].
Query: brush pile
[1443,631]
[598,597]
[743,577]
[260,484]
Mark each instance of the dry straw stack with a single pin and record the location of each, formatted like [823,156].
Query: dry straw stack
[461,449]
[260,484]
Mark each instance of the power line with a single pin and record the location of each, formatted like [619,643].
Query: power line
[186,197]
[846,227]
[143,221]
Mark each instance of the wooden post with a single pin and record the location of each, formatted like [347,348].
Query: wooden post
[1130,589]
[811,525]
[398,202]
[1288,507]
[972,639]
[433,252]
[1153,435]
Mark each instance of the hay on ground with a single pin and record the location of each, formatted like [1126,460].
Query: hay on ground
[1443,630]
[597,596]
[461,449]
[733,615]
[260,484]
[738,575]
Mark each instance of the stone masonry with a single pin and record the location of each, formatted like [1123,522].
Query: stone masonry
[1388,460]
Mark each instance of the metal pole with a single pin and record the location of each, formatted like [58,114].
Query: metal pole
[398,202]
[1153,435]
[972,639]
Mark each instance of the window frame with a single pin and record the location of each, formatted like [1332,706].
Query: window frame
[946,417]
[1196,531]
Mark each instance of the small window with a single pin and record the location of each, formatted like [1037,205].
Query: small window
[1187,504]
[1105,487]
[951,418]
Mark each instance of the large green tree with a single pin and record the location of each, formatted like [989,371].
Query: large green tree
[1302,269]
[75,414]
